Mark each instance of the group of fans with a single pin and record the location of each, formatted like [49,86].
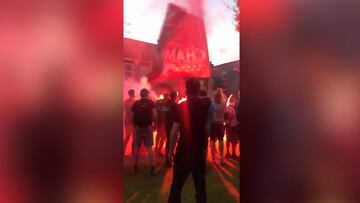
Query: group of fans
[186,124]
[143,117]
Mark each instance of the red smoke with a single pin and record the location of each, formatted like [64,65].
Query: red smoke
[195,7]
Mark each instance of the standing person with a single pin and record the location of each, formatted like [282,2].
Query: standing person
[144,119]
[233,129]
[161,109]
[46,143]
[190,157]
[237,110]
[170,116]
[129,128]
[227,127]
[227,130]
[204,94]
[217,128]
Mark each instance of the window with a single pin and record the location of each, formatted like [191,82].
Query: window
[144,70]
[128,70]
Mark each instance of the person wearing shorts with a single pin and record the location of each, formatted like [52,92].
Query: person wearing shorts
[217,129]
[143,135]
[232,131]
[144,117]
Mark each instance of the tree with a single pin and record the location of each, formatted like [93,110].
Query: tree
[237,15]
[234,6]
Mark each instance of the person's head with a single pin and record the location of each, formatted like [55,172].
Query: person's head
[218,97]
[173,95]
[131,93]
[203,92]
[192,87]
[144,93]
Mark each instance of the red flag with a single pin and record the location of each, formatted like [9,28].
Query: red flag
[183,46]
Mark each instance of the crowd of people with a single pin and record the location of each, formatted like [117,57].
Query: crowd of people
[144,116]
[188,124]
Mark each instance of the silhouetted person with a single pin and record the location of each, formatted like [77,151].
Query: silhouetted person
[232,130]
[217,129]
[161,109]
[204,94]
[129,128]
[170,115]
[45,144]
[144,118]
[190,155]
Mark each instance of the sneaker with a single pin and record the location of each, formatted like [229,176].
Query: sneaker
[234,156]
[135,169]
[152,171]
[221,161]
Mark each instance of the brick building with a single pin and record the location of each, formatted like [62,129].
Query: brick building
[140,59]
[226,76]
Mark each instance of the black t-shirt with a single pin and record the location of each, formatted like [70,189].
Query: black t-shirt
[143,112]
[193,117]
[161,109]
[172,113]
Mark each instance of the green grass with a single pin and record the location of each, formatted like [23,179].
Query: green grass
[222,183]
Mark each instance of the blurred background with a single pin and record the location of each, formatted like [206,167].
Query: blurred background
[300,101]
[60,101]
[61,73]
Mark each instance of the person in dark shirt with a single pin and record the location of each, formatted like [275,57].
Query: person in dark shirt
[45,144]
[144,119]
[161,109]
[129,128]
[191,121]
[204,94]
[169,121]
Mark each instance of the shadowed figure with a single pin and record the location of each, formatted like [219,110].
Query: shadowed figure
[190,156]
[44,144]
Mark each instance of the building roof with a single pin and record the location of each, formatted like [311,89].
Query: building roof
[226,67]
[141,52]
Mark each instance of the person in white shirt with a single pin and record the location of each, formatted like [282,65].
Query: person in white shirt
[217,129]
[232,130]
